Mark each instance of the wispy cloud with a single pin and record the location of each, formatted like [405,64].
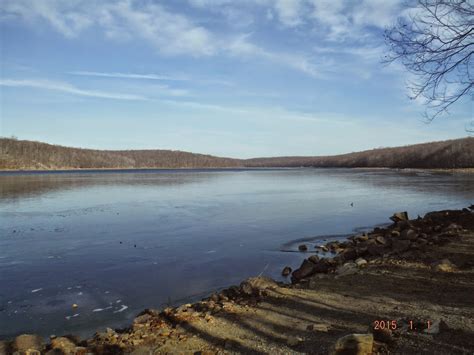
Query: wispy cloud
[129,76]
[69,89]
[168,32]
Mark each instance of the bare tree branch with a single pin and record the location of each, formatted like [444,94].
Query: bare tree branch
[435,42]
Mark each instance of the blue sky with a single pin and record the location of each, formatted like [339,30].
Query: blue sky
[240,78]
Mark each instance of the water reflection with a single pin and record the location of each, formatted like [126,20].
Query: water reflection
[118,242]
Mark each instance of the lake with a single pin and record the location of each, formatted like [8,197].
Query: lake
[116,242]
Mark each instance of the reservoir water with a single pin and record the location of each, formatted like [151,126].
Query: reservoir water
[116,242]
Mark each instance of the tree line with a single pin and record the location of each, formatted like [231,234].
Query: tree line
[22,154]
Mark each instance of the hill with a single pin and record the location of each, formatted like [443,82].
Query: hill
[450,154]
[22,154]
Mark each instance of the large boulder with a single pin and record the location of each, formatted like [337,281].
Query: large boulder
[306,269]
[354,344]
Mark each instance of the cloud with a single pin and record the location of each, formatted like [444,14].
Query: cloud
[68,88]
[289,12]
[129,76]
[197,35]
[242,47]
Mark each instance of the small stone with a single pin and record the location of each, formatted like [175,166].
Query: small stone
[302,247]
[323,248]
[286,271]
[347,269]
[381,240]
[314,259]
[324,328]
[361,262]
[293,341]
[408,234]
[443,266]
[357,344]
[74,305]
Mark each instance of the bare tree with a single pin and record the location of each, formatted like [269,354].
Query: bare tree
[435,41]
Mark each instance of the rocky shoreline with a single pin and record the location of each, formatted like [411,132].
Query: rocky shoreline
[406,288]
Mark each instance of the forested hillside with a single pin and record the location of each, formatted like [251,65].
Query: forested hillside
[451,154]
[20,154]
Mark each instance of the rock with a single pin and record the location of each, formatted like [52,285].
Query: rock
[361,238]
[3,348]
[400,245]
[293,341]
[381,240]
[64,344]
[453,227]
[361,262]
[384,335]
[402,225]
[314,259]
[144,318]
[347,269]
[395,234]
[318,328]
[349,254]
[255,285]
[357,344]
[375,249]
[443,266]
[286,271]
[302,247]
[323,248]
[399,216]
[408,234]
[26,342]
[306,269]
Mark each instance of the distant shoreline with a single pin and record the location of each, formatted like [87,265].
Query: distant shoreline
[85,170]
[21,155]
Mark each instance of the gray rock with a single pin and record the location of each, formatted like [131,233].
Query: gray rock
[347,269]
[408,234]
[286,271]
[302,247]
[399,216]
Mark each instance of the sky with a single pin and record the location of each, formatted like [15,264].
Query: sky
[245,78]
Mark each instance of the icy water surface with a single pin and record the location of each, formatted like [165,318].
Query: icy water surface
[117,242]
